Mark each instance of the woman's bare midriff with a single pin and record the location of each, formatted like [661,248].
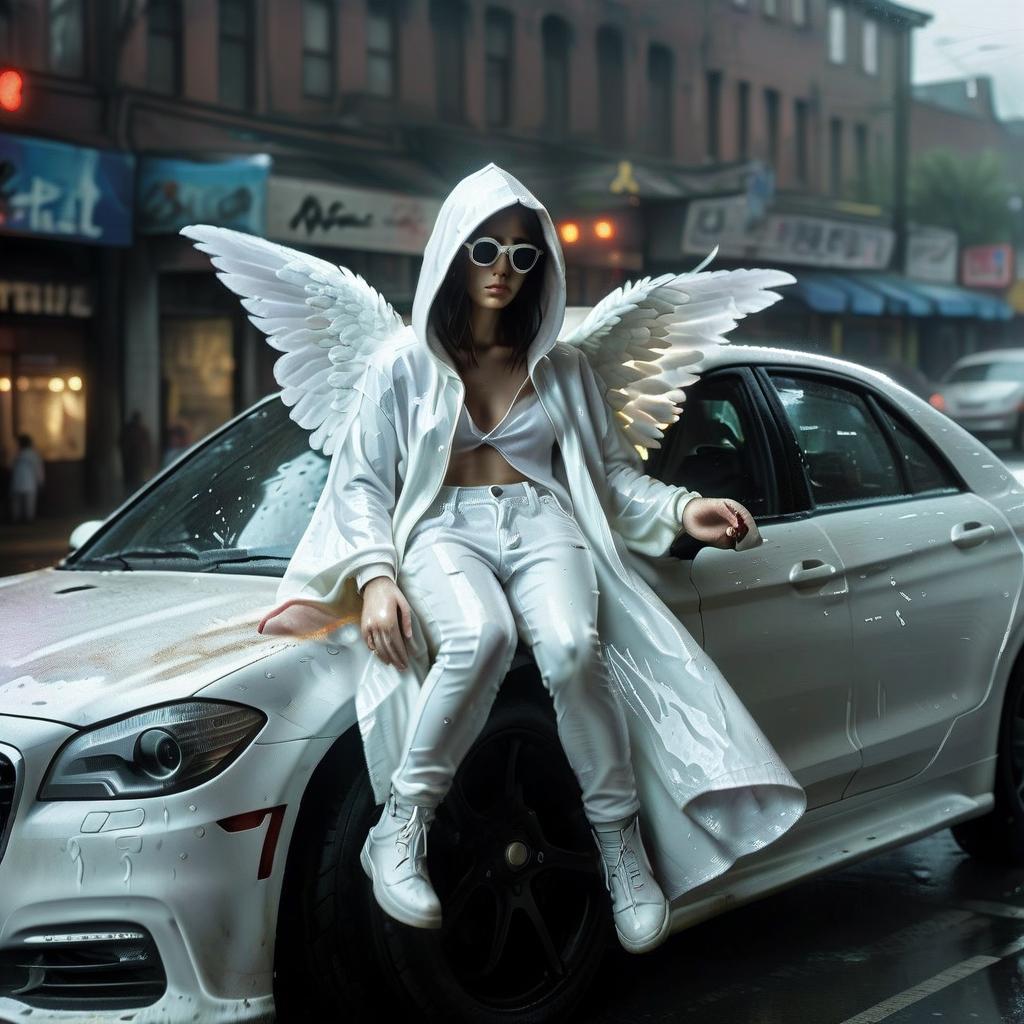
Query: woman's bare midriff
[485,464]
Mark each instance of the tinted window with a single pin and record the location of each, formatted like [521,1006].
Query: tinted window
[712,449]
[249,494]
[1006,370]
[925,471]
[845,455]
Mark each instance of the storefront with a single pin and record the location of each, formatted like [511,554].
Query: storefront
[58,204]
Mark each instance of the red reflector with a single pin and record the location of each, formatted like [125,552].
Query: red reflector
[253,819]
[11,83]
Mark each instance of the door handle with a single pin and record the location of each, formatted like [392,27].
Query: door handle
[970,534]
[811,571]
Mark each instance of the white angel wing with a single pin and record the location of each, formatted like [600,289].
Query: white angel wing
[642,339]
[326,320]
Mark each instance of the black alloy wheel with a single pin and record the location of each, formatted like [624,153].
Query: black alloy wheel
[998,837]
[525,915]
[526,919]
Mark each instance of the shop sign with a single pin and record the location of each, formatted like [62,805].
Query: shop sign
[987,266]
[45,298]
[73,193]
[784,237]
[173,193]
[318,213]
[931,254]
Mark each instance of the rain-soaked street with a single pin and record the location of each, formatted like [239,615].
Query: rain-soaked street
[921,933]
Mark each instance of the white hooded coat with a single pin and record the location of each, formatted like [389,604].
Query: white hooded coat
[711,786]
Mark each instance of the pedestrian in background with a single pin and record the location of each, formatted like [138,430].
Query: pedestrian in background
[27,476]
[136,452]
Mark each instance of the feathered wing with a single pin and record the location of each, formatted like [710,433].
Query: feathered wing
[325,319]
[644,338]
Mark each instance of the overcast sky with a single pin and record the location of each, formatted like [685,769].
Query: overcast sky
[979,37]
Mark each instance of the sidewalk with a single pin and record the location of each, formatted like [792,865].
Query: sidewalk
[27,546]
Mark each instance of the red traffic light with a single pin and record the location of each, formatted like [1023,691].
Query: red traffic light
[11,84]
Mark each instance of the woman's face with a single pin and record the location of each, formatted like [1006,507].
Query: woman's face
[494,287]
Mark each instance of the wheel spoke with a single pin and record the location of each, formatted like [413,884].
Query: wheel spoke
[460,896]
[500,937]
[559,859]
[540,926]
[463,814]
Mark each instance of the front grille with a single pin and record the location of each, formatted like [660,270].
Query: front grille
[8,781]
[107,966]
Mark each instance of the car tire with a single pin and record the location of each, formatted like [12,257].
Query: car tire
[998,837]
[526,940]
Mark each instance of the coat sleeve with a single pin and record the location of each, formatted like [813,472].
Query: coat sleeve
[350,533]
[646,512]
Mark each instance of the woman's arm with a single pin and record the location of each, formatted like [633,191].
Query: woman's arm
[645,512]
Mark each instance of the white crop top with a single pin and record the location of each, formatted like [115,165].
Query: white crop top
[525,439]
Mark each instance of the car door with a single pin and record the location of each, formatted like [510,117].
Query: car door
[775,618]
[931,567]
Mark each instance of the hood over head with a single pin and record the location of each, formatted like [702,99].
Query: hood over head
[472,201]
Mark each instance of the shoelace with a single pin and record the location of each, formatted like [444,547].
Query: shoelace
[626,858]
[413,834]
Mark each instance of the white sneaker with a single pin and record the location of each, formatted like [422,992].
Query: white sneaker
[640,908]
[394,858]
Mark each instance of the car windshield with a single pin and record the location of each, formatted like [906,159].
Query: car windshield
[1006,370]
[238,503]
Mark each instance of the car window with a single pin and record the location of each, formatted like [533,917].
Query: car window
[712,449]
[1004,370]
[845,455]
[250,492]
[925,471]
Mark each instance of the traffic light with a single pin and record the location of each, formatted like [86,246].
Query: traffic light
[12,86]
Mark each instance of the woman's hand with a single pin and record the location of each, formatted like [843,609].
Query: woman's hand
[386,615]
[720,522]
[292,619]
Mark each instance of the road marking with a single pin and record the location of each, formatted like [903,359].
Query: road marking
[887,1007]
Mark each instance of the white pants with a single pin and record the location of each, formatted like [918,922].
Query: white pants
[483,567]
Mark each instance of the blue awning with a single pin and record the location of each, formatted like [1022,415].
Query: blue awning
[870,293]
[817,295]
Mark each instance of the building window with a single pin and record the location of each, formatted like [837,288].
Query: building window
[659,92]
[235,62]
[801,116]
[67,56]
[498,45]
[555,32]
[714,114]
[318,48]
[381,48]
[835,146]
[869,46]
[860,143]
[450,55]
[163,46]
[611,85]
[771,119]
[837,34]
[799,12]
[743,120]
[770,8]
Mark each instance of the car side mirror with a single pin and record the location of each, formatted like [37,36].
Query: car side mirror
[82,532]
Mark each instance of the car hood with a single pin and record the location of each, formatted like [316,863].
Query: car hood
[81,647]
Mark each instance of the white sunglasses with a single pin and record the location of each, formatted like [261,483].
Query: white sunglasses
[522,256]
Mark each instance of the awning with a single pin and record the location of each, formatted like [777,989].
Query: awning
[877,294]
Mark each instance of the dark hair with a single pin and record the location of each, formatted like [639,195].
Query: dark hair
[520,319]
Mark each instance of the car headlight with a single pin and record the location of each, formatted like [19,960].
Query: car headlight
[163,750]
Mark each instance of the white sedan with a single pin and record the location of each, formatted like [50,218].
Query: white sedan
[182,800]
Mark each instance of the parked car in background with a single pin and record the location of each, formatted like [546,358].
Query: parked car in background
[984,393]
[183,800]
